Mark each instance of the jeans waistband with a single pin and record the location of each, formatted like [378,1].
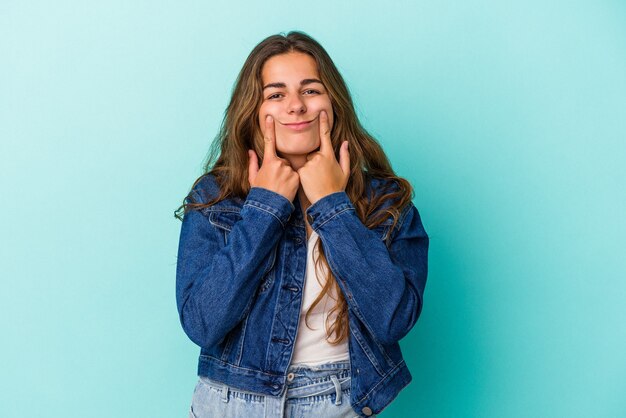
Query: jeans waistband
[335,365]
[306,381]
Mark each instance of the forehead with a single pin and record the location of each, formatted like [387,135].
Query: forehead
[292,66]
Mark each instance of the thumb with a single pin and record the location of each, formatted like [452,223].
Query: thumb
[253,166]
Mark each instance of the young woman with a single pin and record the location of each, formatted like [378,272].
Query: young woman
[302,260]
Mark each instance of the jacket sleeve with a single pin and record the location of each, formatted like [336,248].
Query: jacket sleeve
[383,285]
[216,280]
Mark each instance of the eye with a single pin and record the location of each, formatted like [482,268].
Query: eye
[308,92]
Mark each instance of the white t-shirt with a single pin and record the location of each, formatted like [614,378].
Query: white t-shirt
[311,346]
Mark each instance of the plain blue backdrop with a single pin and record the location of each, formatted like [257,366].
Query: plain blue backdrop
[507,117]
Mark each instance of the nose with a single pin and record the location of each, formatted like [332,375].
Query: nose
[296,105]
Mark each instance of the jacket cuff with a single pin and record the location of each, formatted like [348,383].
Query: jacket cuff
[271,202]
[327,208]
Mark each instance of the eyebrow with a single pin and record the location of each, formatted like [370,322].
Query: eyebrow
[302,83]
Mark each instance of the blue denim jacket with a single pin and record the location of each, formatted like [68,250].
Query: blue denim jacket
[240,275]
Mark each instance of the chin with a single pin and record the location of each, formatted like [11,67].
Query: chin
[297,151]
[294,147]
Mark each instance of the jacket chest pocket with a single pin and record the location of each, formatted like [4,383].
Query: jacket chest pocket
[384,230]
[225,220]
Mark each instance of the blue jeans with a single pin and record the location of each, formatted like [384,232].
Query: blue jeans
[312,391]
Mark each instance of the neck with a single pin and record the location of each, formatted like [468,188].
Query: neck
[295,161]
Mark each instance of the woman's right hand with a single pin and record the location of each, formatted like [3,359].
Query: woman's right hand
[275,173]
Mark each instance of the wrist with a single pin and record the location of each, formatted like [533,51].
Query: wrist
[328,207]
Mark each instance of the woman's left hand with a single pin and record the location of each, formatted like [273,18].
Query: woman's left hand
[322,175]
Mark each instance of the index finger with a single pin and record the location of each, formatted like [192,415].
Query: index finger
[269,137]
[326,145]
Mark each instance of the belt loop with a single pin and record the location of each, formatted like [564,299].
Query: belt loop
[225,390]
[337,389]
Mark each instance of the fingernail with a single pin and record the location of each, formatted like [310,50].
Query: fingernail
[268,118]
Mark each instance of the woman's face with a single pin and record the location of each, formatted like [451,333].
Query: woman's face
[292,93]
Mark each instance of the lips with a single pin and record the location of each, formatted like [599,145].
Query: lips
[298,126]
[298,123]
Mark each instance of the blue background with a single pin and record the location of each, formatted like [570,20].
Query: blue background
[509,118]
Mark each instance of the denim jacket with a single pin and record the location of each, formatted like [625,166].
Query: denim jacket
[240,275]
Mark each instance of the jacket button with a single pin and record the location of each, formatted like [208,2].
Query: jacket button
[310,218]
[367,410]
[290,376]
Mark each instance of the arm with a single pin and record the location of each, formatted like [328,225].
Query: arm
[216,282]
[383,285]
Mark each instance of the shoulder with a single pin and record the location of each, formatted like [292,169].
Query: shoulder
[394,197]
[379,185]
[204,189]
[387,192]
[207,189]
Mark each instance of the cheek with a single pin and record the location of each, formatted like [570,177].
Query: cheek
[328,107]
[263,112]
[331,117]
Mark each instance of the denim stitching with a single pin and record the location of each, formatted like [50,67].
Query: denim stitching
[265,210]
[253,371]
[214,220]
[367,352]
[242,340]
[392,371]
[333,216]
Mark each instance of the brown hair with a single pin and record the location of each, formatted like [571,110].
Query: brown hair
[240,131]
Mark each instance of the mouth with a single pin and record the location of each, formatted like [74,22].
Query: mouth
[299,126]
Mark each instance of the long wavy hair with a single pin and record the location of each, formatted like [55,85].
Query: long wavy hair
[228,156]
